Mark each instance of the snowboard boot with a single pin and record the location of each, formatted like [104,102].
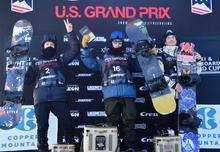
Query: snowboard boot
[189,120]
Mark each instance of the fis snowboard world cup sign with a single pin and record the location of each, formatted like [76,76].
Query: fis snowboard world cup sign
[21,6]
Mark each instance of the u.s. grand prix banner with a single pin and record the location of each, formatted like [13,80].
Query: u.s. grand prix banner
[192,20]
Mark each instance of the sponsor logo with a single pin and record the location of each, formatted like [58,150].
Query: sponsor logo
[74,113]
[74,62]
[207,114]
[146,114]
[100,39]
[104,50]
[65,38]
[140,126]
[96,114]
[146,140]
[140,100]
[208,132]
[17,64]
[210,66]
[149,22]
[130,51]
[28,119]
[94,88]
[76,139]
[80,126]
[138,75]
[201,7]
[84,74]
[21,6]
[72,87]
[143,88]
[84,100]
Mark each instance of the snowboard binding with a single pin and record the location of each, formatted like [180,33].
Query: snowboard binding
[156,84]
[14,52]
[165,132]
[189,80]
[143,47]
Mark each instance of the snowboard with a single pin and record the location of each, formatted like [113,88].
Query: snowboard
[188,78]
[16,67]
[162,98]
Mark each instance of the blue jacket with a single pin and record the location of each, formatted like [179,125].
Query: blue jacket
[120,89]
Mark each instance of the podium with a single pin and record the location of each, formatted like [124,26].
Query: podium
[167,144]
[63,148]
[100,139]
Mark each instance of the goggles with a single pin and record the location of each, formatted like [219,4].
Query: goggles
[117,35]
[117,41]
[49,37]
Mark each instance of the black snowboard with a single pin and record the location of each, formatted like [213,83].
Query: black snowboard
[162,98]
[16,67]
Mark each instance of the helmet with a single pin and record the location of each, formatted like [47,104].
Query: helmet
[48,37]
[117,35]
[167,33]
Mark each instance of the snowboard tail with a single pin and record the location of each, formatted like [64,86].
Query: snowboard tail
[137,31]
[164,104]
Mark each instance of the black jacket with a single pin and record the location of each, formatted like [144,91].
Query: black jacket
[48,74]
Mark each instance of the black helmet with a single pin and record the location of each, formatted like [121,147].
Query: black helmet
[49,37]
[167,33]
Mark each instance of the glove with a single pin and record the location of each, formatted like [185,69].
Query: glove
[85,41]
[153,50]
[197,56]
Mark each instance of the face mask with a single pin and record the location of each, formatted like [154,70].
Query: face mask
[116,47]
[116,51]
[49,52]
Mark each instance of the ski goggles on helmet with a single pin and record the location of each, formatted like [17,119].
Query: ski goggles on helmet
[117,35]
[49,37]
[117,41]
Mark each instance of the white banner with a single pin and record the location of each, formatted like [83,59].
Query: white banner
[24,135]
[209,131]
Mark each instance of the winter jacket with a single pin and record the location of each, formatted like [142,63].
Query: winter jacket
[116,71]
[48,74]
